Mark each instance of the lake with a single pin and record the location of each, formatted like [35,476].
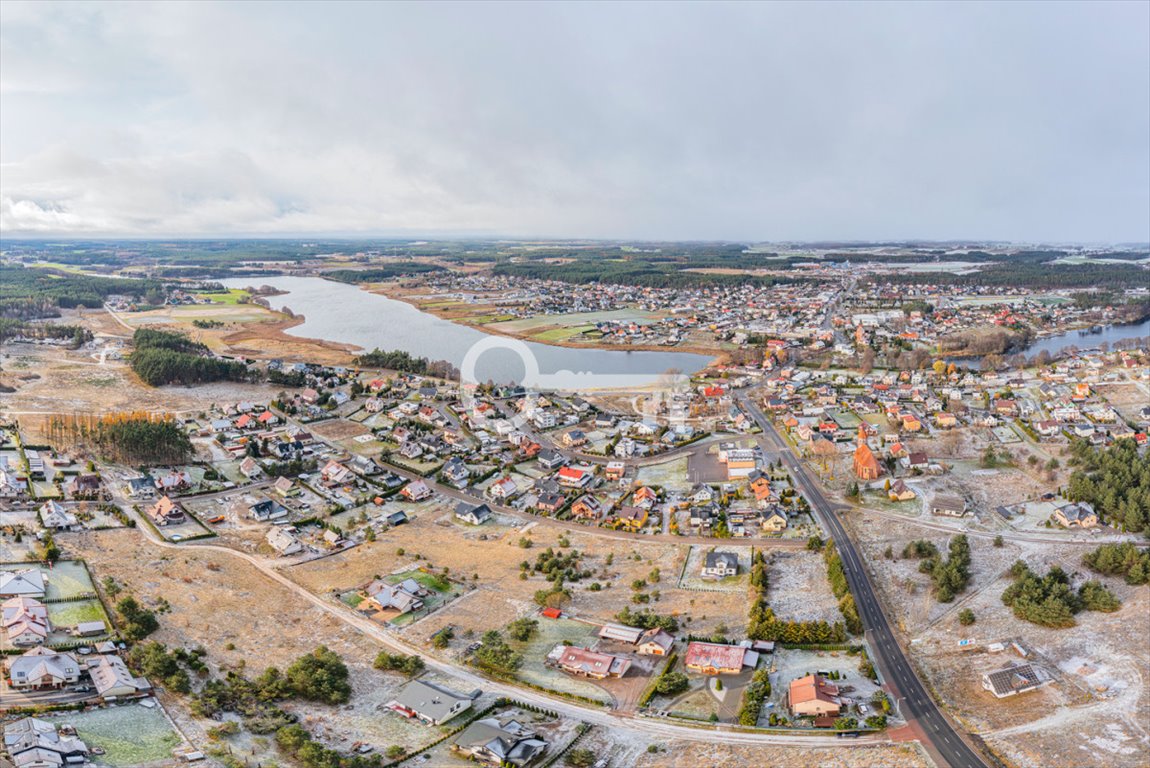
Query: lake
[344,313]
[1087,339]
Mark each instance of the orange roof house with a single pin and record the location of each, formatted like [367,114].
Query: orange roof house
[813,695]
[865,464]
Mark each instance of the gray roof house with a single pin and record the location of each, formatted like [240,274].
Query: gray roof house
[719,564]
[1011,681]
[476,515]
[27,582]
[431,703]
[495,743]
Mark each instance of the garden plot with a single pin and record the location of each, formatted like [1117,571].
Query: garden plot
[67,615]
[366,719]
[131,735]
[693,578]
[787,665]
[190,528]
[552,632]
[558,733]
[798,588]
[671,475]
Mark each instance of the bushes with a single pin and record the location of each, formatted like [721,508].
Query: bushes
[948,577]
[1120,559]
[671,683]
[1049,600]
[136,621]
[320,676]
[753,698]
[966,617]
[522,629]
[496,656]
[398,662]
[646,619]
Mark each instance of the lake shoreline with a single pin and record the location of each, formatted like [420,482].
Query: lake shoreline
[718,357]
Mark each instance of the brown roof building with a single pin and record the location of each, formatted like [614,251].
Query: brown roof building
[865,464]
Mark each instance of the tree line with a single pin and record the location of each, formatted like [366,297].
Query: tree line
[398,360]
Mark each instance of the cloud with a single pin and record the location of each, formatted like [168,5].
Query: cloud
[740,121]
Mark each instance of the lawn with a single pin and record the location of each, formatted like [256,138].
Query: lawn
[129,735]
[561,334]
[68,578]
[76,612]
[230,297]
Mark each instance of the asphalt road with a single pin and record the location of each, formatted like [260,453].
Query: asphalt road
[938,735]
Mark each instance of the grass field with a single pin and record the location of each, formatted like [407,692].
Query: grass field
[72,613]
[130,735]
[561,334]
[231,296]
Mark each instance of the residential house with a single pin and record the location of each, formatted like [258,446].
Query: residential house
[25,621]
[166,512]
[587,507]
[455,472]
[496,743]
[774,521]
[574,477]
[717,659]
[1013,680]
[615,470]
[34,743]
[431,704]
[83,486]
[549,459]
[285,487]
[267,510]
[284,541]
[251,469]
[948,505]
[416,490]
[54,516]
[1076,515]
[113,679]
[41,668]
[655,642]
[814,696]
[632,518]
[550,502]
[900,491]
[587,663]
[503,488]
[473,514]
[404,597]
[25,582]
[720,564]
[574,438]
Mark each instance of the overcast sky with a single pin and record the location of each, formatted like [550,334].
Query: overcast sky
[1020,121]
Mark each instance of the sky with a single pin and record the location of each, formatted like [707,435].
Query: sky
[1020,121]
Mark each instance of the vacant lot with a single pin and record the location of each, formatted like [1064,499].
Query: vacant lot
[798,587]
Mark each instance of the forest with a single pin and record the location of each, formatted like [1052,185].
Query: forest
[125,438]
[1115,481]
[645,273]
[162,357]
[1032,274]
[397,360]
[34,293]
[384,272]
